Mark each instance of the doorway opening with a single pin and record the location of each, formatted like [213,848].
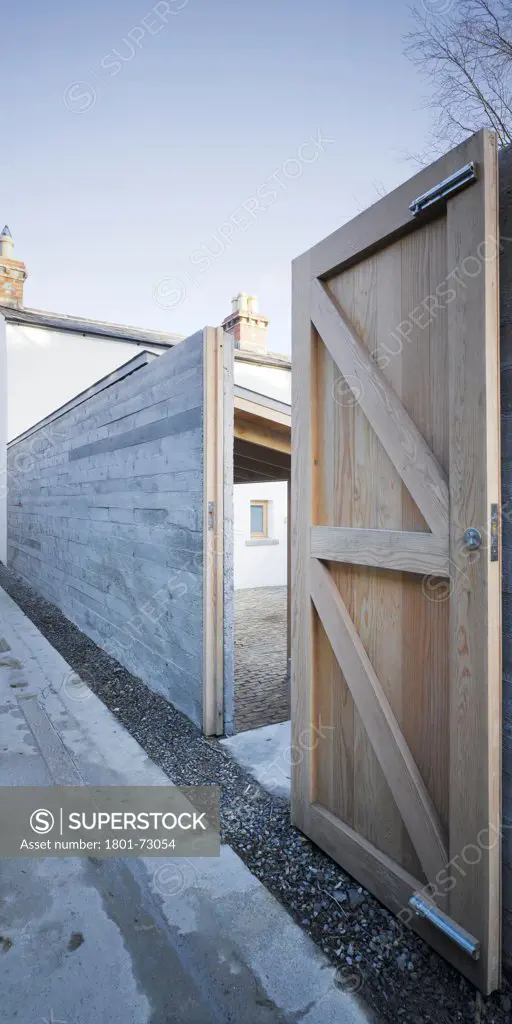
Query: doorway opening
[261,476]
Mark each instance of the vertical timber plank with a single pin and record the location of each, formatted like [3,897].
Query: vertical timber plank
[419,625]
[435,770]
[327,676]
[347,784]
[374,808]
[391,606]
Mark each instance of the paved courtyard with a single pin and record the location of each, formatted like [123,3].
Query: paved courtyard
[262,695]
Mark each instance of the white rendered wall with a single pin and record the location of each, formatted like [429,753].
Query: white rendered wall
[260,564]
[267,380]
[47,368]
[3,442]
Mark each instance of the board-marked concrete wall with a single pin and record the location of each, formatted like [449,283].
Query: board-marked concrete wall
[105,520]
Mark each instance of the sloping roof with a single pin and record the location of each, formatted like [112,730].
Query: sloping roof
[268,359]
[81,325]
[257,398]
[120,332]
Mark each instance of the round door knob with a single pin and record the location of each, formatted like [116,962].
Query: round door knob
[472,539]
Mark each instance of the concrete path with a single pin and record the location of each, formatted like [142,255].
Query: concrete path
[137,941]
[265,754]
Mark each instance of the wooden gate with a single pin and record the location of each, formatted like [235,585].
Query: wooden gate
[396,640]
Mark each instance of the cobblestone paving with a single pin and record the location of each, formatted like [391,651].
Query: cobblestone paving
[261,689]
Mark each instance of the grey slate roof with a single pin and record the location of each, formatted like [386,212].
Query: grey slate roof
[81,325]
[120,332]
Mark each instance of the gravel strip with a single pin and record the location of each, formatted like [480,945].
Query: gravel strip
[399,977]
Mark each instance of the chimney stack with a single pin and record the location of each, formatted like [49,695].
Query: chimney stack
[246,324]
[13,273]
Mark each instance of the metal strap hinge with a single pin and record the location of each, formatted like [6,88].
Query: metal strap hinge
[465,176]
[463,939]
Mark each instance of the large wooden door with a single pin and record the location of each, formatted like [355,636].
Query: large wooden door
[396,612]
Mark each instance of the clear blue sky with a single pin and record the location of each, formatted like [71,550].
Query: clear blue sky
[107,193]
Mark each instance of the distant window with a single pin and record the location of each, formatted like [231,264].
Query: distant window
[259,518]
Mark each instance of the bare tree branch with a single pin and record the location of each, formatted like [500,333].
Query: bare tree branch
[466,57]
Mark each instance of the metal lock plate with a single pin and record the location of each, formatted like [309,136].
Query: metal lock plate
[494,534]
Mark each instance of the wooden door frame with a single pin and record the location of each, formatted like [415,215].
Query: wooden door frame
[217,525]
[269,428]
[382,224]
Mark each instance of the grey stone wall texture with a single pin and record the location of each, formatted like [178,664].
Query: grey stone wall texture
[105,519]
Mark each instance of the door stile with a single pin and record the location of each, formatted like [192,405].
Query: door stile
[303,446]
[213,531]
[475,668]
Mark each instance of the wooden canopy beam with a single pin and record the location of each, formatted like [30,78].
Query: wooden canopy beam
[254,452]
[260,434]
[259,470]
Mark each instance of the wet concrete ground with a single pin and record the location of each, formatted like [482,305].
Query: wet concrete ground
[132,940]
